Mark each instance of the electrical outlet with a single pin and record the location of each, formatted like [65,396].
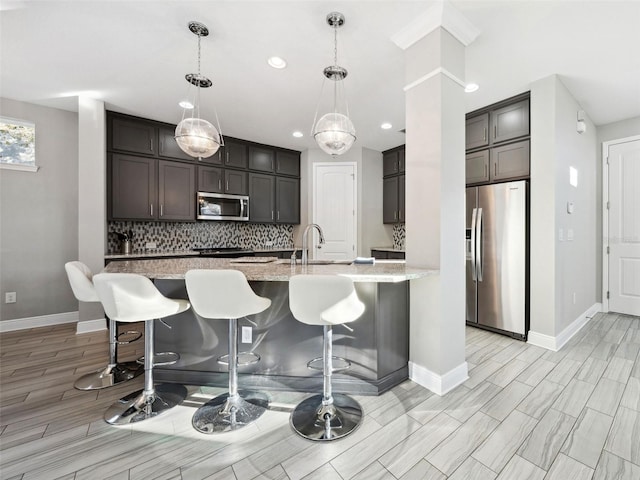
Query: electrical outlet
[150,245]
[10,297]
[246,335]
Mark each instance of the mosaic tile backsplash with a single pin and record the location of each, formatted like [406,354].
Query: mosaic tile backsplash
[185,236]
[398,236]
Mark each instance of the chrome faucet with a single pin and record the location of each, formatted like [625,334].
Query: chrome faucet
[305,242]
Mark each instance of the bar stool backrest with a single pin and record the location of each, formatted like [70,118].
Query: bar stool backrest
[223,294]
[324,299]
[80,279]
[127,297]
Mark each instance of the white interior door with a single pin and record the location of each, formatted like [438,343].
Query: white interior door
[334,209]
[624,227]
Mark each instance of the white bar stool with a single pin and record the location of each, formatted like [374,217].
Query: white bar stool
[226,294]
[325,300]
[80,279]
[127,297]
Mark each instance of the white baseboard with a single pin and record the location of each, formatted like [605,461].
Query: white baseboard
[556,343]
[438,384]
[35,322]
[88,326]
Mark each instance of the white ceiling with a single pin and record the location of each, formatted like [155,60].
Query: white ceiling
[134,55]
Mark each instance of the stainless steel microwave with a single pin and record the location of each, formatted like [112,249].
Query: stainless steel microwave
[219,206]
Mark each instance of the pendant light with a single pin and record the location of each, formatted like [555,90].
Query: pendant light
[334,133]
[195,136]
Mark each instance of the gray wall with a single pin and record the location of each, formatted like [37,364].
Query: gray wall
[561,268]
[39,216]
[605,133]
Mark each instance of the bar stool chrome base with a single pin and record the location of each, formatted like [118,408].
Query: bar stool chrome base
[313,421]
[109,376]
[134,408]
[225,414]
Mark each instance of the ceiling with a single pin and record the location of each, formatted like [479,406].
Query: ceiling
[134,55]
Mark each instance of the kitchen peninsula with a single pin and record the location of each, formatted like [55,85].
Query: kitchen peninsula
[378,346]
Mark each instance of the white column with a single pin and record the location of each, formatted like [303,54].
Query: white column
[91,201]
[435,194]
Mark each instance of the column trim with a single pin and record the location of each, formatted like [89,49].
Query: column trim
[433,73]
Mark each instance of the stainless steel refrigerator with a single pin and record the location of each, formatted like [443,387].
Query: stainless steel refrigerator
[497,251]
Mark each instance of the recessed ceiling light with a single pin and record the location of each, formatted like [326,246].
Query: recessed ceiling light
[297,134]
[186,104]
[471,87]
[386,126]
[277,62]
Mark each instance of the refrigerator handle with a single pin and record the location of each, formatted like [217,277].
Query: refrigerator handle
[478,245]
[473,244]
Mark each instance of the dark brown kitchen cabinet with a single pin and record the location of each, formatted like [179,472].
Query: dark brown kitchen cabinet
[132,135]
[261,159]
[261,198]
[387,254]
[401,162]
[168,147]
[477,131]
[510,161]
[510,122]
[390,200]
[477,167]
[219,180]
[132,189]
[390,163]
[401,197]
[287,200]
[235,154]
[288,163]
[176,191]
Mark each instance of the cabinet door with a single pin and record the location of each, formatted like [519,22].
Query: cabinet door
[235,182]
[261,159]
[477,131]
[134,136]
[390,200]
[401,160]
[510,122]
[210,179]
[396,255]
[133,188]
[261,198]
[288,163]
[235,154]
[477,167]
[176,191]
[510,161]
[401,196]
[287,200]
[389,163]
[215,159]
[168,147]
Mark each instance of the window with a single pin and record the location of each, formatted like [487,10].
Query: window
[17,144]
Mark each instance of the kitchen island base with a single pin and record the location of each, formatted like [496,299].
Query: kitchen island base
[378,346]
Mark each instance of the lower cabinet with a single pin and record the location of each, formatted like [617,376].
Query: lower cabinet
[273,199]
[387,254]
[149,189]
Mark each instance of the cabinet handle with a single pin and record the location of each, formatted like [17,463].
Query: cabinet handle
[484,134]
[271,214]
[400,214]
[151,204]
[278,214]
[219,184]
[495,131]
[485,171]
[279,166]
[272,165]
[395,215]
[227,155]
[160,209]
[151,144]
[227,187]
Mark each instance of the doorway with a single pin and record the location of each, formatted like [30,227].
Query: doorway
[334,209]
[621,225]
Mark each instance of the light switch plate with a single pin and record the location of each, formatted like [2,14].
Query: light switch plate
[246,335]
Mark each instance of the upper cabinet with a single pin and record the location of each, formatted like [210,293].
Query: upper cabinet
[288,163]
[235,153]
[168,147]
[497,142]
[127,135]
[261,159]
[393,163]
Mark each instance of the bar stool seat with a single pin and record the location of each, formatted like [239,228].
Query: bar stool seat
[127,297]
[80,279]
[226,294]
[325,300]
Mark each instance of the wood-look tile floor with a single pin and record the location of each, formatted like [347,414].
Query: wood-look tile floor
[524,413]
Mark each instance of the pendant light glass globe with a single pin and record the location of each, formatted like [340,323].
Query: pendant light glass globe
[197,137]
[334,133]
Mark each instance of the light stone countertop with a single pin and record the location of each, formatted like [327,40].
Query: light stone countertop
[277,271]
